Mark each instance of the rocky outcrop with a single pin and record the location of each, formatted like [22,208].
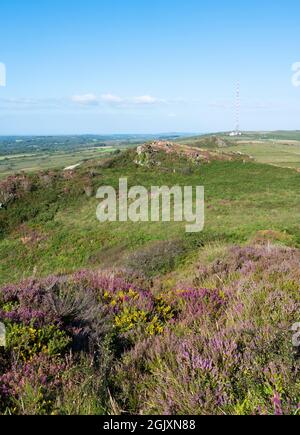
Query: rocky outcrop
[148,155]
[14,187]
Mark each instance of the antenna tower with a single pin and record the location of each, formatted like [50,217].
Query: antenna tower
[238,109]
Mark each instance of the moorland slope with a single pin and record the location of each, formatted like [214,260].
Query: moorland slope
[144,318]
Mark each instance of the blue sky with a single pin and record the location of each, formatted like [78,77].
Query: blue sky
[123,66]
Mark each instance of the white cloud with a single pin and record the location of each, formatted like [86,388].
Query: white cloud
[146,99]
[110,98]
[19,103]
[106,101]
[2,74]
[86,99]
[92,99]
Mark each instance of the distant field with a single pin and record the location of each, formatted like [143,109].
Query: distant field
[275,135]
[32,154]
[285,155]
[276,148]
[58,160]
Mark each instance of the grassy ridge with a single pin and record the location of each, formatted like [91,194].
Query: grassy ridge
[183,324]
[55,230]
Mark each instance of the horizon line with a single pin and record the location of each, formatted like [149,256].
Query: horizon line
[144,134]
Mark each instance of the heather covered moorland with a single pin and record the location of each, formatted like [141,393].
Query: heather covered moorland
[98,343]
[143,318]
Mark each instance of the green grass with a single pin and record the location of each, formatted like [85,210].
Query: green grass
[241,199]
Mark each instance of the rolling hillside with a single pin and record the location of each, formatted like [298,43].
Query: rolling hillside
[97,315]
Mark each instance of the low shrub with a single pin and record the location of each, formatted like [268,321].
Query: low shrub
[101,343]
[158,258]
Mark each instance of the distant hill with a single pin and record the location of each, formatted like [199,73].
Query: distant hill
[207,141]
[251,135]
[280,148]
